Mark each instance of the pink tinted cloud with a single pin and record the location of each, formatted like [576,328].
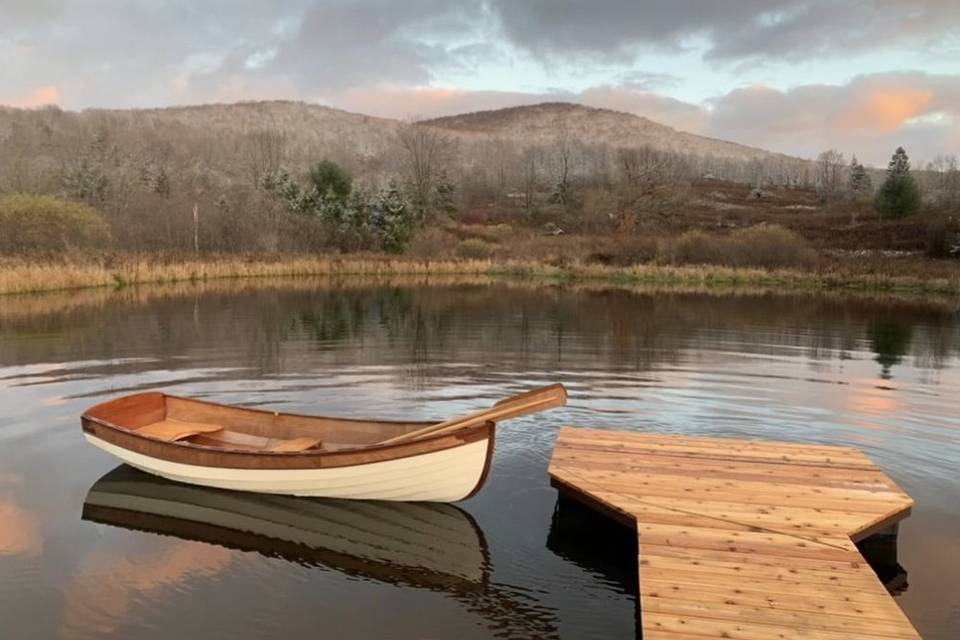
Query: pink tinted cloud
[39,97]
[441,101]
[416,102]
[870,116]
[663,109]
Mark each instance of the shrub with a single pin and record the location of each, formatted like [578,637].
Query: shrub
[770,246]
[698,247]
[431,242]
[767,246]
[474,249]
[626,252]
[942,241]
[473,217]
[47,225]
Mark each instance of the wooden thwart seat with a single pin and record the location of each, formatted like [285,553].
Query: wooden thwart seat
[294,445]
[173,430]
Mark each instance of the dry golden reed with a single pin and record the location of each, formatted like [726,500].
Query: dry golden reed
[26,276]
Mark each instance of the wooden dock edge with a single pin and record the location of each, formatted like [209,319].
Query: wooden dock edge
[796,576]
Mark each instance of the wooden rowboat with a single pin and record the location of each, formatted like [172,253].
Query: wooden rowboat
[244,449]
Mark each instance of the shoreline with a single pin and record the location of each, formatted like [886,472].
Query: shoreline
[20,277]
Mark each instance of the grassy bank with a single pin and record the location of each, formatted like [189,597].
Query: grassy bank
[895,274]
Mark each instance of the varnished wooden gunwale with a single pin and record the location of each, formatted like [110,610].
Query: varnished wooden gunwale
[145,408]
[747,540]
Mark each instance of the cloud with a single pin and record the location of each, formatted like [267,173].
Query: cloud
[887,110]
[344,44]
[663,109]
[870,116]
[39,97]
[434,102]
[728,31]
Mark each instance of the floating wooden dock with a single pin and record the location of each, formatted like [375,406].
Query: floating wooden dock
[742,539]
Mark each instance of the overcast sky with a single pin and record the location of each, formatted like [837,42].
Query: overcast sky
[796,76]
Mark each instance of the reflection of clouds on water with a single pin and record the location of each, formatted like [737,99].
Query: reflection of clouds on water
[20,533]
[876,404]
[109,586]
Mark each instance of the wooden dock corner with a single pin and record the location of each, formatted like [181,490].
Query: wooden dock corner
[742,539]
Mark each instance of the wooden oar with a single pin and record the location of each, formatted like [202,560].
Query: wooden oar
[521,404]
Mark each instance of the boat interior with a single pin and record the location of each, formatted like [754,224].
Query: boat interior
[183,420]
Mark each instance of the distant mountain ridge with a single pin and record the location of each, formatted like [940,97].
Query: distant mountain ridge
[550,120]
[316,126]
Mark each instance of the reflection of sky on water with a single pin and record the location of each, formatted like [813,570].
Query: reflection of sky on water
[882,376]
[20,533]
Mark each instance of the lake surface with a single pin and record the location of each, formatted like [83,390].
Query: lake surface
[882,375]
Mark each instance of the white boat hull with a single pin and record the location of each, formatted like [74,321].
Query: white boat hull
[438,476]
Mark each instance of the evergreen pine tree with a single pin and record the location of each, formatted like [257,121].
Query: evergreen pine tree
[899,195]
[859,180]
[444,195]
[899,164]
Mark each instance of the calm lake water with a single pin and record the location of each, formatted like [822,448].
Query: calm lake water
[881,375]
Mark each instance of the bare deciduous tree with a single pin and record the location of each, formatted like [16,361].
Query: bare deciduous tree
[530,177]
[427,151]
[647,175]
[944,180]
[263,153]
[831,174]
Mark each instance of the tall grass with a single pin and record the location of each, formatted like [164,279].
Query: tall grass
[23,276]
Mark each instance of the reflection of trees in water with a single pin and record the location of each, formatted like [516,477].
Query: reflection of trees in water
[890,340]
[500,328]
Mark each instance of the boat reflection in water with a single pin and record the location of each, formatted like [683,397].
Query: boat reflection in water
[422,544]
[425,545]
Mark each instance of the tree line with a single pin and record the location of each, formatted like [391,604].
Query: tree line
[168,185]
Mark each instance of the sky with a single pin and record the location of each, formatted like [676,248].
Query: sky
[796,76]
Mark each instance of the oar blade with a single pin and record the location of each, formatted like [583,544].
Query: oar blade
[556,391]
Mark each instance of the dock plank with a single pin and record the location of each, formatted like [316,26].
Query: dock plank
[748,540]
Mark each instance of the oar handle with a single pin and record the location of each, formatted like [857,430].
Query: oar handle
[522,404]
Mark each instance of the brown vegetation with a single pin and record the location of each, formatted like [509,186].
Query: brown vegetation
[43,226]
[766,246]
